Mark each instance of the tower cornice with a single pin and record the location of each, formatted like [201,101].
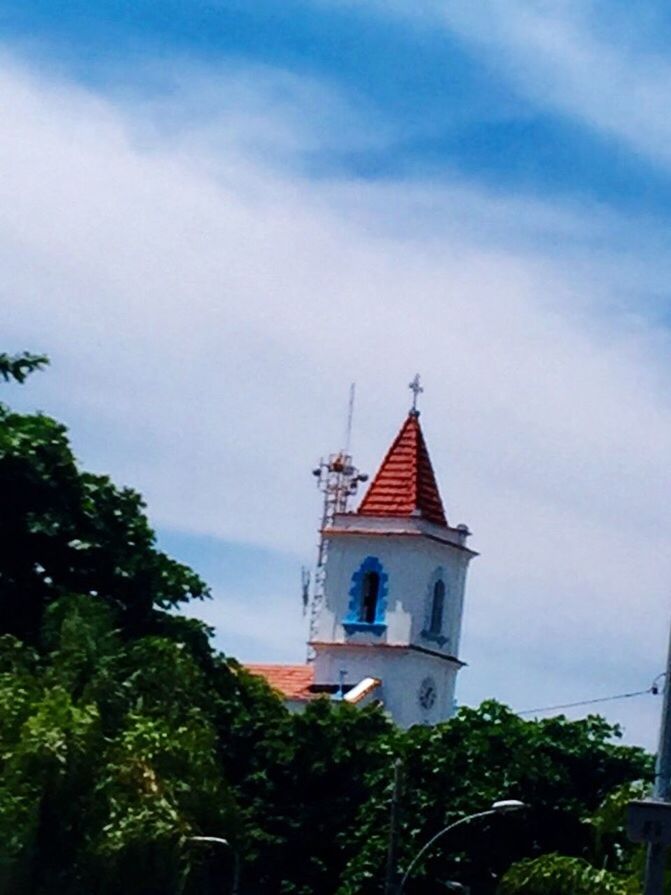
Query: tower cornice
[354,524]
[382,647]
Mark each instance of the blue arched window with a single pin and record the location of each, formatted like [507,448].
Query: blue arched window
[437,607]
[367,606]
[435,603]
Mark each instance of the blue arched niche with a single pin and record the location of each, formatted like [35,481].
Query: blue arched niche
[436,608]
[368,592]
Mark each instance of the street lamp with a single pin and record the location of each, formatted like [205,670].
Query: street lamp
[218,840]
[502,807]
[210,839]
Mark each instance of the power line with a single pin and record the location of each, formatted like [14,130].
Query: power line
[653,688]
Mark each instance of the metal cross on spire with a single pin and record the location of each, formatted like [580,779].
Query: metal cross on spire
[416,390]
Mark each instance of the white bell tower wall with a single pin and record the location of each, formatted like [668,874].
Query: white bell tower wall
[411,640]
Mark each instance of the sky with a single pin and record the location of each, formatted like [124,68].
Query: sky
[215,216]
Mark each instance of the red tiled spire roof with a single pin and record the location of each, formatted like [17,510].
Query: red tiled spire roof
[405,484]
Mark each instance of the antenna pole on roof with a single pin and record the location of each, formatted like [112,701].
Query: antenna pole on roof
[350,415]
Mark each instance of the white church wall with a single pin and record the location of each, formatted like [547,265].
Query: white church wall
[402,672]
[411,564]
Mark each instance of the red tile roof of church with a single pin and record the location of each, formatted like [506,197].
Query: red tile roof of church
[405,484]
[292,681]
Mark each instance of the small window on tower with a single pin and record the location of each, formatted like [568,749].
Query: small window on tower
[437,607]
[369,596]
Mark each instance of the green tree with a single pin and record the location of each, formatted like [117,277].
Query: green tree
[306,805]
[109,758]
[66,531]
[109,755]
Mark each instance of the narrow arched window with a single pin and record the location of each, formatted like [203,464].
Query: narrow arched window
[370,592]
[437,607]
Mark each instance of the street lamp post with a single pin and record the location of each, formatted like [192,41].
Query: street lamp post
[501,807]
[218,840]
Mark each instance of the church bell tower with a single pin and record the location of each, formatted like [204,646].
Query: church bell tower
[388,623]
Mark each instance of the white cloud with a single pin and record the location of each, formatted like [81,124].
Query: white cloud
[206,314]
[587,60]
[557,57]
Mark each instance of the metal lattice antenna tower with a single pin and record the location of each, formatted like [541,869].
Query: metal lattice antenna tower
[338,480]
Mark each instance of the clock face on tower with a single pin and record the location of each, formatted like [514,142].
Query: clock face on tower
[427,693]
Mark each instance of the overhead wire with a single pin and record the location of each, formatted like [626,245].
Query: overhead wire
[652,689]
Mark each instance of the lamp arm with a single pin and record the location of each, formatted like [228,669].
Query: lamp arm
[420,854]
[218,839]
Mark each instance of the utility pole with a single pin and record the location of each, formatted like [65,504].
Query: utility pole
[235,886]
[649,820]
[656,857]
[391,877]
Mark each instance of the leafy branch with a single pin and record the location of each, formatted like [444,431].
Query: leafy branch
[18,367]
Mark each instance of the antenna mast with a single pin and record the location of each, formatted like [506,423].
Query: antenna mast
[350,415]
[338,480]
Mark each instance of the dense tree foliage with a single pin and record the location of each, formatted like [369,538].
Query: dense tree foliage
[65,531]
[123,733]
[115,750]
[562,770]
[611,866]
[561,875]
